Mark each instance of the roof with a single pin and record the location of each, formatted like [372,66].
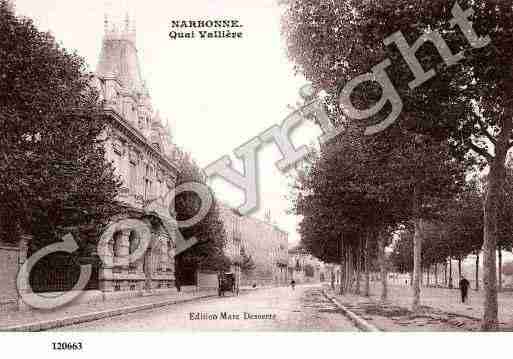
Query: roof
[118,58]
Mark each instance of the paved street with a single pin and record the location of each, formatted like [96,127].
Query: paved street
[275,309]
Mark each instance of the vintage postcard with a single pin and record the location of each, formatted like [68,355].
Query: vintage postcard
[260,166]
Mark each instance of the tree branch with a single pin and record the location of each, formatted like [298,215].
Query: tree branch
[480,151]
[484,130]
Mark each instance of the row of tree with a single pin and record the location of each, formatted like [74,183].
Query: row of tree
[457,234]
[362,189]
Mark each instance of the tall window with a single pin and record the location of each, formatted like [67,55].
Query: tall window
[132,178]
[148,184]
[117,163]
[159,189]
[117,152]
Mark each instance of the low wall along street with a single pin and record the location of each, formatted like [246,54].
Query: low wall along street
[11,260]
[9,257]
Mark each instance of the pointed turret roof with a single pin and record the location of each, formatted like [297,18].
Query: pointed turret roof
[119,56]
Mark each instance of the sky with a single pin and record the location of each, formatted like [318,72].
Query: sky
[217,94]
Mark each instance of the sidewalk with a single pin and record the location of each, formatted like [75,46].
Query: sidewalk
[441,309]
[38,320]
[448,300]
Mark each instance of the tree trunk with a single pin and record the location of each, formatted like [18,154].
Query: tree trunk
[382,267]
[459,269]
[477,272]
[366,256]
[490,316]
[417,263]
[436,274]
[348,270]
[450,273]
[499,281]
[350,282]
[428,281]
[359,267]
[496,178]
[445,274]
[342,268]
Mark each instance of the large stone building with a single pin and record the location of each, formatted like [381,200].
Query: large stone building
[263,241]
[140,147]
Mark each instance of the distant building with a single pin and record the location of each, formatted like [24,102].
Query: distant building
[305,268]
[263,241]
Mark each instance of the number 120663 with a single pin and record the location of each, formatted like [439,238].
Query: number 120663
[66,346]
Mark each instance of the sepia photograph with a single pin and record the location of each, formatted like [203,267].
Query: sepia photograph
[270,166]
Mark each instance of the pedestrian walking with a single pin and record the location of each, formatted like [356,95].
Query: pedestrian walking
[464,284]
[293,284]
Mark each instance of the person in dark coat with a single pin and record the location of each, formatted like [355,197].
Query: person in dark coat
[464,284]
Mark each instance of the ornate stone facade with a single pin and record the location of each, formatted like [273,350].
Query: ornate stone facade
[140,147]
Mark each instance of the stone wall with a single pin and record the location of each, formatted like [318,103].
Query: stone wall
[9,257]
[11,260]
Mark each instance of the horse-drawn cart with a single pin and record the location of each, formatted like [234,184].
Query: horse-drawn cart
[228,283]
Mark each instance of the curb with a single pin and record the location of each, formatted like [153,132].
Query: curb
[359,322]
[64,322]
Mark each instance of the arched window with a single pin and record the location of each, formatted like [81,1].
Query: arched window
[132,177]
[117,240]
[133,242]
[149,190]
